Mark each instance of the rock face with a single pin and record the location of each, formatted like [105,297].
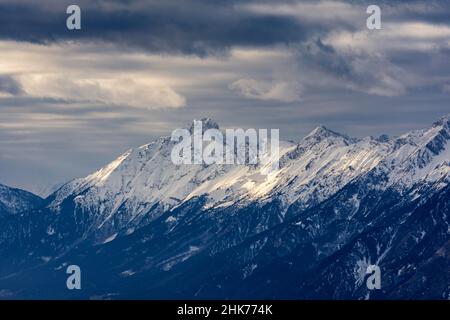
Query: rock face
[142,227]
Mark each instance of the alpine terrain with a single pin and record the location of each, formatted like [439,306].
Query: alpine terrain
[144,228]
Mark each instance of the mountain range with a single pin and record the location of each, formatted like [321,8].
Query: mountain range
[144,228]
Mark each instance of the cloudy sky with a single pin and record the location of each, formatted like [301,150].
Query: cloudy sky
[72,101]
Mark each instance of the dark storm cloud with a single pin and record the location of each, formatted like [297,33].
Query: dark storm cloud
[189,26]
[9,85]
[326,58]
[181,26]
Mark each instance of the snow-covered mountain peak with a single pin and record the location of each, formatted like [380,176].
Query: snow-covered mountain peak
[322,133]
[443,122]
[142,179]
[207,123]
[434,139]
[416,154]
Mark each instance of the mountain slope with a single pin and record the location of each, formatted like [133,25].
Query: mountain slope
[13,201]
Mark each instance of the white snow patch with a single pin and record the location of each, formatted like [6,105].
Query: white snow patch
[111,238]
[171,219]
[127,273]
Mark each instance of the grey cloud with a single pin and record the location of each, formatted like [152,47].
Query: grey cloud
[10,86]
[187,27]
[283,91]
[359,71]
[199,27]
